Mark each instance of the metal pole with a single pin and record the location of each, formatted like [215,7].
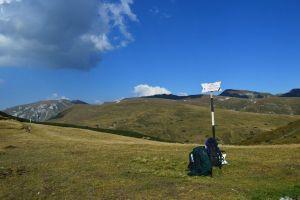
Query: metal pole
[212,115]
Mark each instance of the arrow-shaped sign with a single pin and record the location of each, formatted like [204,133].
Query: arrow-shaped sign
[211,87]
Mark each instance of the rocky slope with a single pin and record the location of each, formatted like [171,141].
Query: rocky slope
[42,110]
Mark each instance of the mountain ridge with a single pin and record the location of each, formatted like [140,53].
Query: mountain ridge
[248,94]
[41,110]
[237,93]
[172,120]
[239,100]
[292,93]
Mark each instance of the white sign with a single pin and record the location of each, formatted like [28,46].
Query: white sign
[211,87]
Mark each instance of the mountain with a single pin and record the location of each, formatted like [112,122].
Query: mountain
[288,134]
[239,100]
[170,120]
[173,97]
[45,110]
[166,96]
[292,93]
[4,115]
[78,102]
[245,94]
[42,110]
[270,105]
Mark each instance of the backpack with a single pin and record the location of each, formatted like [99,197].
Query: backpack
[214,152]
[199,162]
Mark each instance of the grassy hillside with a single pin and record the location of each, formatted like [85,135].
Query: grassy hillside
[3,115]
[283,135]
[270,105]
[173,120]
[111,131]
[65,163]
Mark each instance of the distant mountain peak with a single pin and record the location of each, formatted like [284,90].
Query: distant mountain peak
[247,94]
[41,110]
[174,97]
[292,93]
[78,102]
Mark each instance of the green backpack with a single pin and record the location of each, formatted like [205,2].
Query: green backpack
[199,162]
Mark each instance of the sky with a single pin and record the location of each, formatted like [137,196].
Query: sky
[99,51]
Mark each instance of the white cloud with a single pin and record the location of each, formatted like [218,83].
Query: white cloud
[157,12]
[62,34]
[154,10]
[98,102]
[55,96]
[114,14]
[182,94]
[147,90]
[101,42]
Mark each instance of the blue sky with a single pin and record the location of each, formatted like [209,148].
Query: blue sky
[173,44]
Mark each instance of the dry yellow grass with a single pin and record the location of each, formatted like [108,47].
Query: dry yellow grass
[66,163]
[174,121]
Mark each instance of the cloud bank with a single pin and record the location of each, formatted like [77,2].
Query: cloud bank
[147,90]
[62,33]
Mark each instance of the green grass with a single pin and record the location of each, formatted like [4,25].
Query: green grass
[173,120]
[111,131]
[98,129]
[283,135]
[67,163]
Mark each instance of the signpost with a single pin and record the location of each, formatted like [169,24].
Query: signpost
[211,88]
